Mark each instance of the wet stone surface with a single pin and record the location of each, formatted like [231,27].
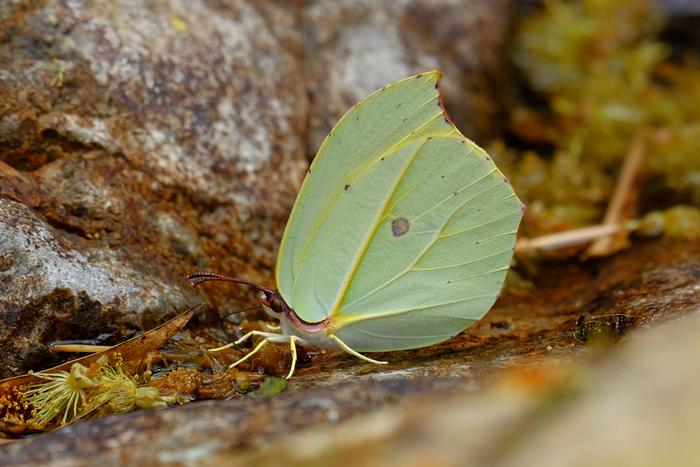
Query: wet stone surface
[530,339]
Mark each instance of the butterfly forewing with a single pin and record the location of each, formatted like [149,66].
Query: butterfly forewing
[374,129]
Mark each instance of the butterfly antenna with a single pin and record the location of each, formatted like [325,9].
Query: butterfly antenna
[242,310]
[199,277]
[235,312]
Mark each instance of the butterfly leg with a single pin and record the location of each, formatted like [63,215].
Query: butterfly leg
[257,348]
[242,339]
[281,338]
[223,347]
[293,346]
[346,348]
[267,337]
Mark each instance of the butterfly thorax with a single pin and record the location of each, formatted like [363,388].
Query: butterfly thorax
[317,337]
[293,325]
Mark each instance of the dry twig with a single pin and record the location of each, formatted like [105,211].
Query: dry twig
[621,203]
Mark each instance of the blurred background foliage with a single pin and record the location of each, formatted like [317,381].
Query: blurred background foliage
[598,77]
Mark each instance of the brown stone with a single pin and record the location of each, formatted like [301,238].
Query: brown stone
[137,144]
[516,384]
[141,142]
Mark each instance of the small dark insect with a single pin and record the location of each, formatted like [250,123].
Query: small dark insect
[613,326]
[500,325]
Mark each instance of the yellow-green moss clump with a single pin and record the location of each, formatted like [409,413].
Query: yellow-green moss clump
[606,79]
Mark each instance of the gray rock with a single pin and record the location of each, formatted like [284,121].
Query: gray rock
[53,291]
[356,47]
[140,142]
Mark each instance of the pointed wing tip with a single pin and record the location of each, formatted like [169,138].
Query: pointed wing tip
[436,76]
[434,73]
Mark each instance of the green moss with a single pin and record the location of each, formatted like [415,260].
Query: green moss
[606,79]
[271,386]
[679,222]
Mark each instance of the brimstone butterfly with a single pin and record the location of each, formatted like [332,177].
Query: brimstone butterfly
[401,235]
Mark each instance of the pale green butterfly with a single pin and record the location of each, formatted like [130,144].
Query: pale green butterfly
[400,237]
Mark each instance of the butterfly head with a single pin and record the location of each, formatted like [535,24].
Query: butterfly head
[272,300]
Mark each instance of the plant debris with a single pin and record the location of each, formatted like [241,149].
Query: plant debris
[165,366]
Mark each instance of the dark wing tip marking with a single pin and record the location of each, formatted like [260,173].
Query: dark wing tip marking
[441,103]
[400,226]
[346,187]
